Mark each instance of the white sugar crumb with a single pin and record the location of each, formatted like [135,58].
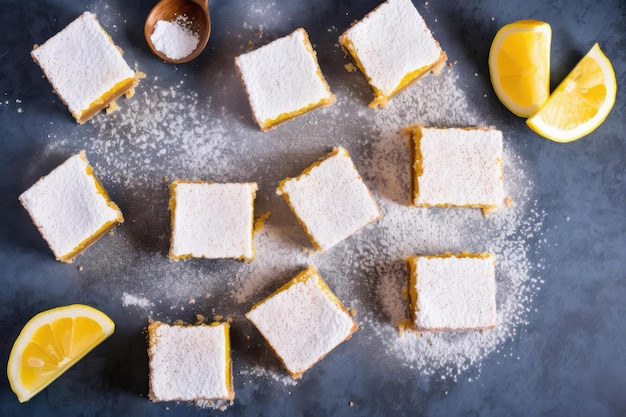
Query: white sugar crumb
[129,300]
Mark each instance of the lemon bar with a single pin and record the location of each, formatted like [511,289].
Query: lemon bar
[70,208]
[211,220]
[457,167]
[452,292]
[190,363]
[85,68]
[330,200]
[302,321]
[283,79]
[392,46]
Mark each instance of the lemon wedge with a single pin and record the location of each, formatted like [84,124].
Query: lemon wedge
[581,102]
[50,343]
[519,65]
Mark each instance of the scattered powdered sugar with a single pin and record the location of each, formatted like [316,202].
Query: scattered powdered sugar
[160,122]
[175,39]
[275,257]
[8,103]
[132,300]
[431,101]
[257,371]
[169,130]
[406,231]
[380,255]
[220,405]
[409,231]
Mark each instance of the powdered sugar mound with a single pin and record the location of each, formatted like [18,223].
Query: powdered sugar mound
[174,38]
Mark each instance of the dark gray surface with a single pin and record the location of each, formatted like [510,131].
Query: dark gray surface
[569,360]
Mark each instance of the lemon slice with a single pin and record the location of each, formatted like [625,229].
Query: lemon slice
[50,343]
[581,102]
[519,65]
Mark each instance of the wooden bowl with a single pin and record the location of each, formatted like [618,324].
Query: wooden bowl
[197,12]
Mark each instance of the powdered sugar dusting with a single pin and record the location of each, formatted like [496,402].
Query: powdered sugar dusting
[161,121]
[169,130]
[135,301]
[431,101]
[275,257]
[260,372]
[406,231]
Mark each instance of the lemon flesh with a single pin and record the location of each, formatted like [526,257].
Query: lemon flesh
[50,343]
[581,102]
[519,66]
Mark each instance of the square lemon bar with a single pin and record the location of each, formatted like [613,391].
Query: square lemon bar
[190,363]
[452,292]
[70,208]
[302,321]
[330,200]
[392,46]
[457,167]
[211,220]
[283,79]
[85,68]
